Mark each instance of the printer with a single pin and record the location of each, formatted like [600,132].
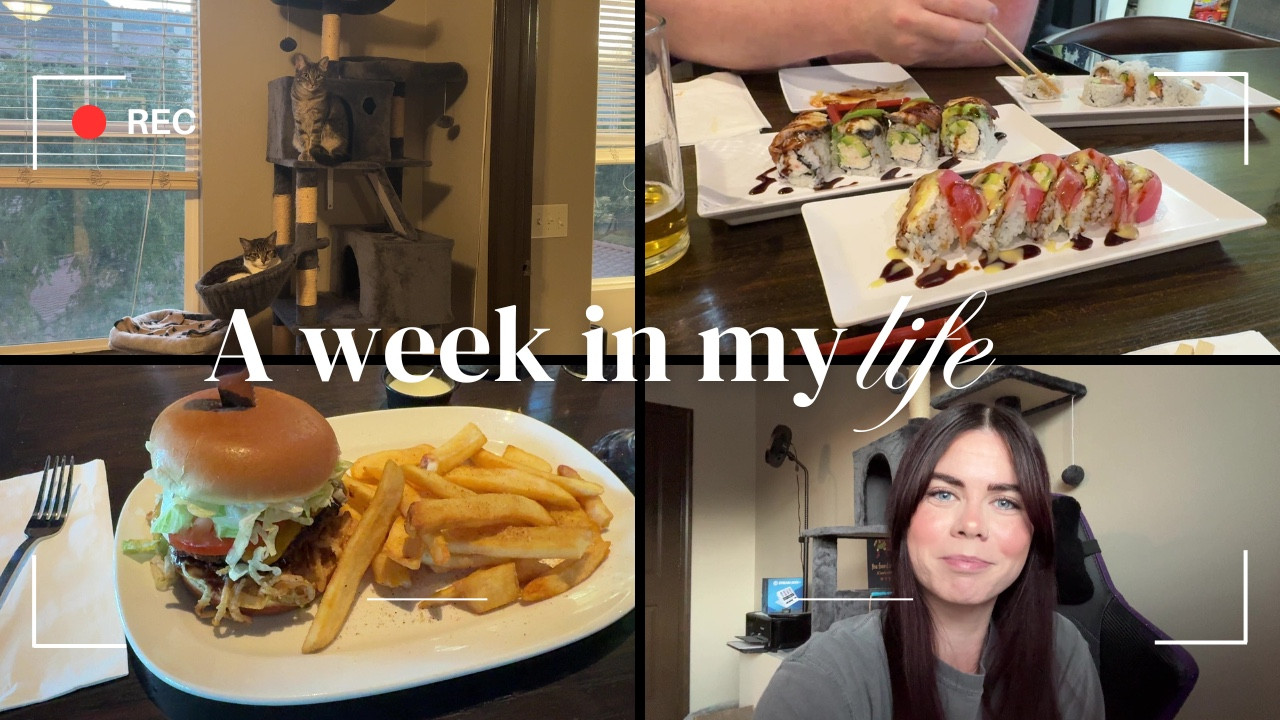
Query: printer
[778,631]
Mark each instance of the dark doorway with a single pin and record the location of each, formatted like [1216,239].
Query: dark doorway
[668,463]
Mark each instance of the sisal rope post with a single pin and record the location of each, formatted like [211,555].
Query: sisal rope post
[330,30]
[306,193]
[282,223]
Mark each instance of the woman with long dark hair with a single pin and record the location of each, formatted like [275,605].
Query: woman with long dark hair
[971,536]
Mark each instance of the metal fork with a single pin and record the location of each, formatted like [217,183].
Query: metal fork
[50,512]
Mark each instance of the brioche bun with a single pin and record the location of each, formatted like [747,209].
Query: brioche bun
[279,449]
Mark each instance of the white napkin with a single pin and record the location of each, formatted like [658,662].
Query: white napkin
[713,106]
[1250,342]
[75,593]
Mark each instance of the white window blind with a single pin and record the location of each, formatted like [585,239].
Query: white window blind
[616,94]
[152,43]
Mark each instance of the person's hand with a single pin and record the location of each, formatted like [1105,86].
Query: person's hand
[912,32]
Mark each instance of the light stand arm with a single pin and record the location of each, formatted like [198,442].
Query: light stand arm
[804,541]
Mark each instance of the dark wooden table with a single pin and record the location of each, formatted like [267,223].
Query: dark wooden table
[765,274]
[95,411]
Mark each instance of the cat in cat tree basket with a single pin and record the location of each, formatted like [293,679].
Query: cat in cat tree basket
[259,254]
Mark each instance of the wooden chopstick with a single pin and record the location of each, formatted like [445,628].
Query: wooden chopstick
[1018,53]
[1004,57]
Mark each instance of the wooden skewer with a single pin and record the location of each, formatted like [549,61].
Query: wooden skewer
[1010,63]
[1018,53]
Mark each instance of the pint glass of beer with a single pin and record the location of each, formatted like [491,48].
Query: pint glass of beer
[666,232]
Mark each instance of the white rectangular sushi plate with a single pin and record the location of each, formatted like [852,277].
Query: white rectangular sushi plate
[727,170]
[1223,100]
[852,236]
[800,84]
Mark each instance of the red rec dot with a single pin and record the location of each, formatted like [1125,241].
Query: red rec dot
[89,121]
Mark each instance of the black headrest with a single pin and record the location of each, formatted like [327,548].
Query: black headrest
[1074,585]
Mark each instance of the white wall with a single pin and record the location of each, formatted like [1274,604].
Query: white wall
[1180,469]
[723,579]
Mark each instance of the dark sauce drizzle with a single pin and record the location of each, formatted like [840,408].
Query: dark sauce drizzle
[1113,239]
[1081,242]
[938,273]
[896,270]
[765,181]
[893,173]
[949,163]
[1000,136]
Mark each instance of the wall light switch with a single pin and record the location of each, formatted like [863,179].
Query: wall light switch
[550,221]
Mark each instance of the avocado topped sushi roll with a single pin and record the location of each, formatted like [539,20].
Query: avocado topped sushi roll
[858,143]
[1106,192]
[967,128]
[1012,198]
[1061,215]
[914,131]
[943,213]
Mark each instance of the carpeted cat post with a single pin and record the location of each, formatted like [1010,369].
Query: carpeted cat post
[282,223]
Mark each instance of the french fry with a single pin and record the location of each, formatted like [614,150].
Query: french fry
[567,574]
[370,466]
[438,549]
[574,517]
[364,544]
[430,483]
[388,571]
[521,542]
[516,455]
[499,585]
[401,547]
[573,484]
[456,450]
[527,569]
[407,498]
[597,511]
[359,494]
[430,516]
[460,561]
[515,482]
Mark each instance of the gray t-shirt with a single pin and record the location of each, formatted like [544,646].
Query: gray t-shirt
[843,674]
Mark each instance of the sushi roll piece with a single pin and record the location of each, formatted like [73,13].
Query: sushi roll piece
[1179,91]
[1143,199]
[1134,77]
[802,150]
[1036,89]
[914,131]
[858,141]
[1106,192]
[1061,215]
[943,212]
[1013,199]
[1103,88]
[968,130]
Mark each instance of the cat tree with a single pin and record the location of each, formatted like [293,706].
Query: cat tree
[389,275]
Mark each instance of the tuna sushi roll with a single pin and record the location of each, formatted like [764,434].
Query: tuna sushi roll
[1012,199]
[1061,214]
[858,142]
[943,212]
[802,150]
[1106,192]
[968,130]
[1145,189]
[913,133]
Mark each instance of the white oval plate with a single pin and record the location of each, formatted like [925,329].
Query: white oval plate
[383,646]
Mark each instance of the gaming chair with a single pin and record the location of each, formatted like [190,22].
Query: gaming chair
[1140,680]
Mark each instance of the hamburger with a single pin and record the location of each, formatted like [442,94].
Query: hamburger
[248,514]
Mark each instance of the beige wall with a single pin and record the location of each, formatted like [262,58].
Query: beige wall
[240,54]
[564,170]
[723,581]
[1180,478]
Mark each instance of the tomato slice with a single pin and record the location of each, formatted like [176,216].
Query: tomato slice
[201,539]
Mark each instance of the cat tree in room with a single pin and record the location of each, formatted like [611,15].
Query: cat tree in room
[389,275]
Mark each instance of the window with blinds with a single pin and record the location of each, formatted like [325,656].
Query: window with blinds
[149,45]
[93,230]
[615,235]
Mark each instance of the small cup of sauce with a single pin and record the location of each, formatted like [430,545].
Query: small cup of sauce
[435,390]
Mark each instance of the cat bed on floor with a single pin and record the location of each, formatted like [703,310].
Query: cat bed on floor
[171,332]
[255,292]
